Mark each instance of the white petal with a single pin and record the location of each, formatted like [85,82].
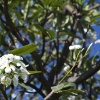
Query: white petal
[24,70]
[4,65]
[71,48]
[97,41]
[13,67]
[7,70]
[2,78]
[24,77]
[18,57]
[10,57]
[22,64]
[15,80]
[18,64]
[66,68]
[8,80]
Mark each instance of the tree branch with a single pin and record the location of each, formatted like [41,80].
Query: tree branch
[96,6]
[49,95]
[85,75]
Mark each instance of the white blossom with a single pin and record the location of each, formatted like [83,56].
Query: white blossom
[66,68]
[5,80]
[75,47]
[97,41]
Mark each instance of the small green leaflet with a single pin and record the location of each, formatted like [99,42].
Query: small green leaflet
[34,72]
[24,50]
[30,72]
[66,93]
[26,9]
[71,91]
[61,86]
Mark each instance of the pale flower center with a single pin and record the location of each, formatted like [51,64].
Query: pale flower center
[4,81]
[8,66]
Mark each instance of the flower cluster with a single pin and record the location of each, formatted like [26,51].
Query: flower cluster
[11,68]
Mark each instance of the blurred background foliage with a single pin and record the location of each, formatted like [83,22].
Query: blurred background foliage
[49,27]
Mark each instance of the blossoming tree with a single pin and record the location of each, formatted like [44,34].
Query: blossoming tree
[46,49]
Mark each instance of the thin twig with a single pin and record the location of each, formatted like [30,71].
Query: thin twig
[49,95]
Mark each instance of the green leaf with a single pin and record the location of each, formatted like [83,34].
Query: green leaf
[21,73]
[80,1]
[61,86]
[57,3]
[26,87]
[36,28]
[18,0]
[67,93]
[47,2]
[26,8]
[24,50]
[86,7]
[75,91]
[94,18]
[88,19]
[37,11]
[34,72]
[51,34]
[30,72]
[35,31]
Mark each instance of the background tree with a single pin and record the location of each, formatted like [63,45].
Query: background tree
[53,26]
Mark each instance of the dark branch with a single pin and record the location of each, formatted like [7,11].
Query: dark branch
[85,75]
